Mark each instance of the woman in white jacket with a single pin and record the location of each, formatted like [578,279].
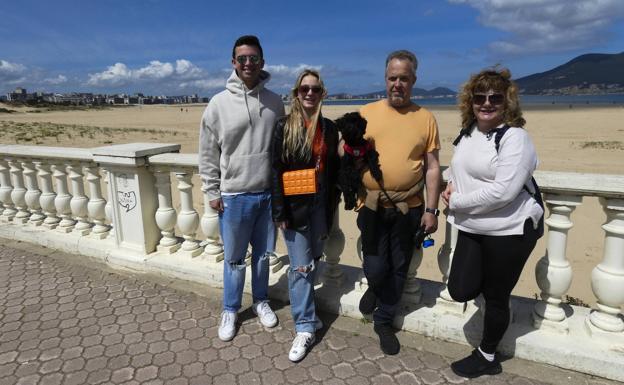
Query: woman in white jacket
[495,213]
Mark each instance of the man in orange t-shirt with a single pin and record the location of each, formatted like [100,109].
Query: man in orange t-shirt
[406,137]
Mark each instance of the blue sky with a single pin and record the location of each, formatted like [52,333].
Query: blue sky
[184,47]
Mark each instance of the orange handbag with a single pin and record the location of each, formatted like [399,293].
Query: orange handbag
[299,182]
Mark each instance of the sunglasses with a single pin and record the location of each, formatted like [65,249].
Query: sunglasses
[303,90]
[242,59]
[494,99]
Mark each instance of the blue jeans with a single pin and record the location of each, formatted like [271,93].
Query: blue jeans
[304,247]
[246,219]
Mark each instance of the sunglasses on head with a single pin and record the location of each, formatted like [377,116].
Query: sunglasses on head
[242,59]
[494,99]
[303,90]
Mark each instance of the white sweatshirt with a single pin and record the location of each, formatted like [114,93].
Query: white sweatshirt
[489,197]
[235,138]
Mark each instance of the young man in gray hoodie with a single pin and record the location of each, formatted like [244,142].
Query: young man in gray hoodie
[234,165]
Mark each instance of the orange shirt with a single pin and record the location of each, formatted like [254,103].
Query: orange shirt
[401,137]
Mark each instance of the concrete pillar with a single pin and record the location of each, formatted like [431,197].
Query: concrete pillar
[47,195]
[32,193]
[553,272]
[334,247]
[166,214]
[188,218]
[445,261]
[97,205]
[213,251]
[18,194]
[607,279]
[6,187]
[132,191]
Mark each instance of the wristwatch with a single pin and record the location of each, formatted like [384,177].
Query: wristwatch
[435,212]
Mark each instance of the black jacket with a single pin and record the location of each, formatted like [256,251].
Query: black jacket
[295,209]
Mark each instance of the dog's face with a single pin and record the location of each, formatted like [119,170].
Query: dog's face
[352,126]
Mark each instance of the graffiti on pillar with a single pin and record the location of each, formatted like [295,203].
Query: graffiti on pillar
[127,200]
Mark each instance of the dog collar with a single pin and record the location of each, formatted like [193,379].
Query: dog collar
[358,151]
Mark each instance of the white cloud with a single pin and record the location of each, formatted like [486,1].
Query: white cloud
[181,74]
[537,26]
[284,70]
[60,79]
[12,73]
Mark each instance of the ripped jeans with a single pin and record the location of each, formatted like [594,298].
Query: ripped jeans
[246,219]
[304,247]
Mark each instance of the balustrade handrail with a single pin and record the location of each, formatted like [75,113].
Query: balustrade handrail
[47,152]
[586,184]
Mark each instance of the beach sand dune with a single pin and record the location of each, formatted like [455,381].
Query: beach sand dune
[585,140]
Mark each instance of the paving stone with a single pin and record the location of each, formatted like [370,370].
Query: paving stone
[73,325]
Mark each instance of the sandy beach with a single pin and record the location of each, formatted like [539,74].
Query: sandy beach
[579,139]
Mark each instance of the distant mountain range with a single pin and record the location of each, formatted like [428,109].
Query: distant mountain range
[438,92]
[586,74]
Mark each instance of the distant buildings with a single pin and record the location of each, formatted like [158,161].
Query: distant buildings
[78,98]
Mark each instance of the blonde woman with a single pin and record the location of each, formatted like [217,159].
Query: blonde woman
[305,140]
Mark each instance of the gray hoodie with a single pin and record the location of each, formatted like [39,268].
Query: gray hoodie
[235,138]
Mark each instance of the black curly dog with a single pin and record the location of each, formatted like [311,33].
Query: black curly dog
[353,127]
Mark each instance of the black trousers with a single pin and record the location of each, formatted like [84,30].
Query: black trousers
[490,265]
[388,245]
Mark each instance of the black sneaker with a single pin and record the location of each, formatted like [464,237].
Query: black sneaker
[368,302]
[388,342]
[475,365]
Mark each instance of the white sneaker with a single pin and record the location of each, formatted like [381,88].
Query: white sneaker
[300,346]
[264,312]
[227,328]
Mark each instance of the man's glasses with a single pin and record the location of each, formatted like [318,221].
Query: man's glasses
[242,59]
[495,99]
[303,90]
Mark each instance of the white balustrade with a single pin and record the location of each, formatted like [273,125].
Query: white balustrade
[6,187]
[213,250]
[18,195]
[96,207]
[79,201]
[138,176]
[32,193]
[47,195]
[334,247]
[62,200]
[166,214]
[607,279]
[188,219]
[553,272]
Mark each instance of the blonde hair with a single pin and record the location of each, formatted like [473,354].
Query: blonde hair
[496,80]
[297,139]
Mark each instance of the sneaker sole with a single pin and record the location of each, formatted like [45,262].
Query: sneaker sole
[489,372]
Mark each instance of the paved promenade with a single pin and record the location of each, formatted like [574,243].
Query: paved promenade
[65,319]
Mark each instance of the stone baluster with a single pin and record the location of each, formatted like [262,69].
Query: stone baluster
[6,187]
[97,205]
[18,195]
[334,247]
[47,195]
[553,272]
[445,260]
[213,251]
[165,214]
[32,193]
[412,292]
[607,279]
[188,219]
[79,202]
[62,200]
[108,209]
